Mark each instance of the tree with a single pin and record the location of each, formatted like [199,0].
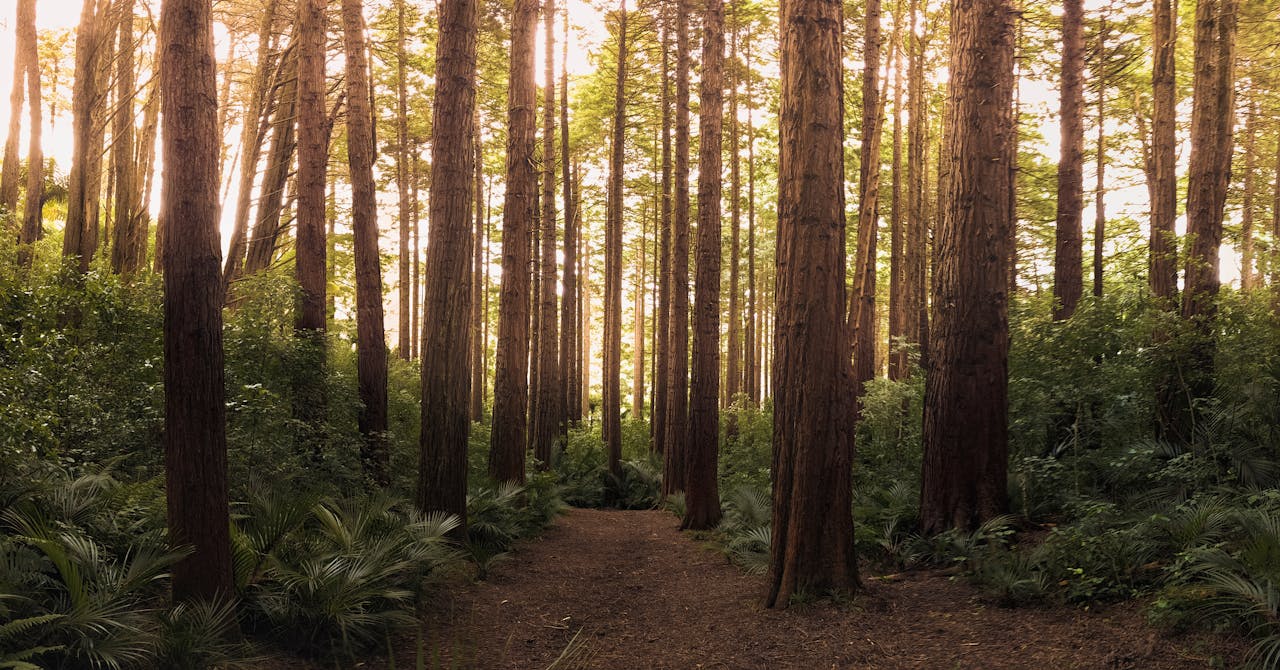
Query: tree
[1209,174]
[1068,253]
[404,347]
[21,52]
[371,346]
[662,319]
[129,242]
[702,495]
[25,40]
[195,411]
[546,418]
[611,400]
[80,239]
[916,236]
[862,306]
[569,400]
[897,234]
[733,368]
[966,388]
[813,426]
[446,377]
[510,381]
[1163,181]
[676,432]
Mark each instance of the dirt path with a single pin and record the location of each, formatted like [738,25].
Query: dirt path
[639,594]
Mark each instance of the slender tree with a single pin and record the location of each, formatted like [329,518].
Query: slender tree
[862,305]
[546,418]
[511,382]
[478,277]
[1068,252]
[1100,166]
[569,401]
[80,238]
[897,234]
[733,366]
[702,496]
[446,378]
[25,39]
[662,318]
[676,432]
[966,388]
[371,346]
[916,235]
[1164,180]
[195,413]
[1247,252]
[404,346]
[12,146]
[813,426]
[611,410]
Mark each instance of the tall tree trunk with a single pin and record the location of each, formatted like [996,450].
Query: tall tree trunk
[195,414]
[897,236]
[862,306]
[546,420]
[1100,186]
[1164,158]
[310,247]
[9,172]
[569,402]
[80,239]
[637,322]
[966,389]
[1068,251]
[415,321]
[446,343]
[404,313]
[478,278]
[511,382]
[813,426]
[751,362]
[1246,214]
[129,246]
[25,40]
[371,345]
[267,225]
[916,235]
[702,495]
[1212,120]
[257,121]
[733,367]
[611,409]
[662,318]
[675,441]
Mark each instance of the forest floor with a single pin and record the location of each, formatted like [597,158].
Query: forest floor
[620,590]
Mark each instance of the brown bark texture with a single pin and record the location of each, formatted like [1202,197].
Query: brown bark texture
[1068,257]
[676,432]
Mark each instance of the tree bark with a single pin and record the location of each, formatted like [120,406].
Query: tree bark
[1068,250]
[662,319]
[25,40]
[916,235]
[733,367]
[751,359]
[1164,189]
[129,247]
[267,225]
[702,494]
[673,477]
[371,346]
[1100,186]
[571,387]
[966,388]
[611,402]
[9,172]
[862,306]
[80,239]
[897,236]
[546,418]
[195,414]
[478,278]
[511,381]
[813,428]
[1247,200]
[404,345]
[446,343]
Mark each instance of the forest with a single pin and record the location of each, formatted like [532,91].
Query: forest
[640,334]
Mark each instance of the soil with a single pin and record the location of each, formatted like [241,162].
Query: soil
[624,589]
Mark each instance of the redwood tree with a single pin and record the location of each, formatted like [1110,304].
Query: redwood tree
[1068,252]
[446,377]
[702,495]
[814,388]
[1163,180]
[546,418]
[966,388]
[195,411]
[611,400]
[511,381]
[25,38]
[371,347]
[862,306]
[676,431]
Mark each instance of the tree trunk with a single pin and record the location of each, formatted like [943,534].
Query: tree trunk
[1100,186]
[129,248]
[1212,119]
[966,390]
[569,401]
[404,313]
[916,235]
[611,402]
[511,382]
[371,346]
[267,221]
[637,322]
[862,307]
[1164,157]
[673,478]
[25,40]
[702,495]
[546,420]
[1246,214]
[751,362]
[813,426]
[478,278]
[897,236]
[80,239]
[733,367]
[195,414]
[256,123]
[662,318]
[446,343]
[1068,252]
[9,172]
